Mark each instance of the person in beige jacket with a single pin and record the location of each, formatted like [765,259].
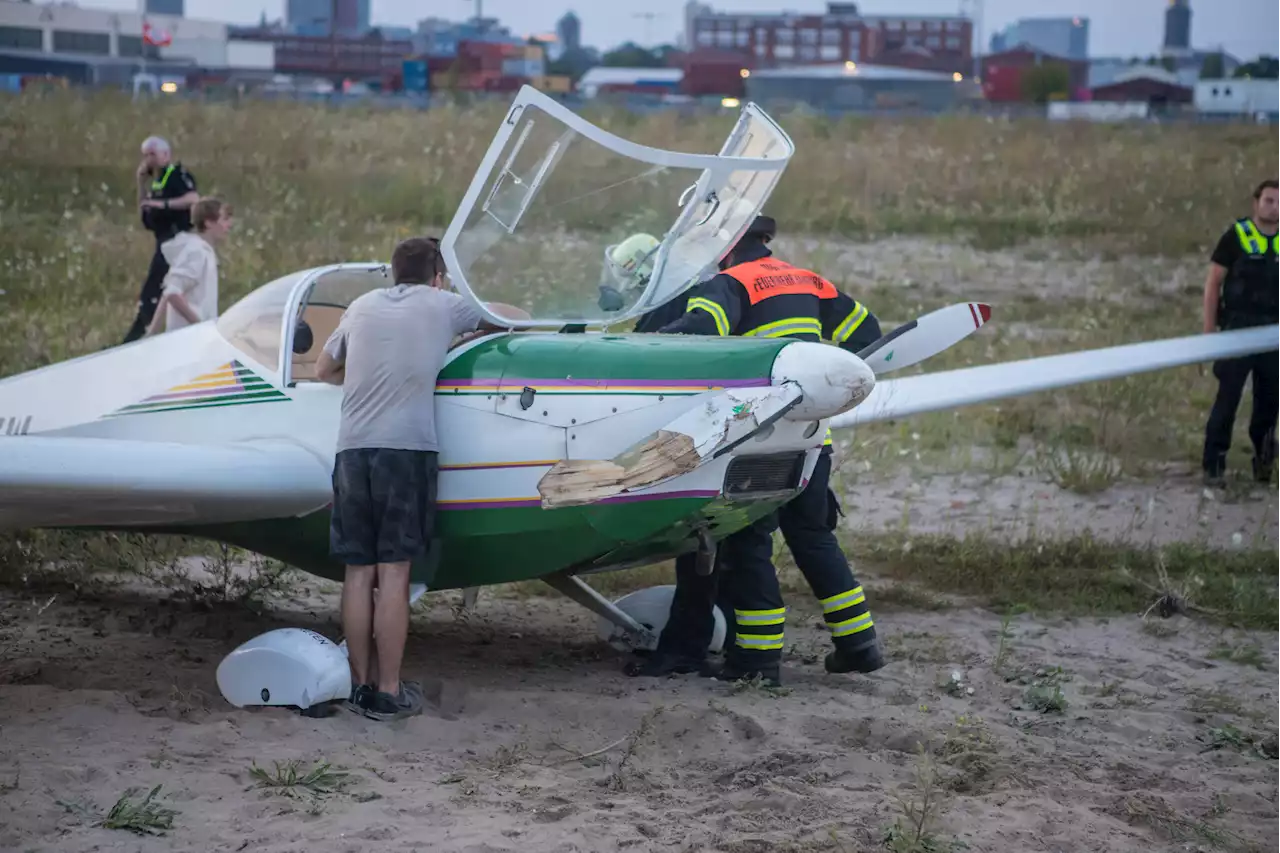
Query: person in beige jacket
[189,293]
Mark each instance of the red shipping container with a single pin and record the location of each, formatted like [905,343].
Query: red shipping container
[713,79]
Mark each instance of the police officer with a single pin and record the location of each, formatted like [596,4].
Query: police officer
[789,302]
[1240,292]
[166,194]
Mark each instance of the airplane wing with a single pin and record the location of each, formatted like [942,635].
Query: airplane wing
[950,389]
[62,481]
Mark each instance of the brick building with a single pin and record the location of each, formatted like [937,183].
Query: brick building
[337,57]
[842,33]
[1149,85]
[1003,74]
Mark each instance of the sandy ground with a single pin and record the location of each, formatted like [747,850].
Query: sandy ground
[100,695]
[1179,509]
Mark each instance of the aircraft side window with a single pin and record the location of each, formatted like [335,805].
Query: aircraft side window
[312,330]
[252,325]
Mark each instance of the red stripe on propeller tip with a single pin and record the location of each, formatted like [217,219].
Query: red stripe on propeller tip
[974,314]
[985,311]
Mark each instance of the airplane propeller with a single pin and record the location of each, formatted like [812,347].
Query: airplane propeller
[924,337]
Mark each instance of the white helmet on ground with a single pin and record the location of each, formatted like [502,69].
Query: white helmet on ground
[288,666]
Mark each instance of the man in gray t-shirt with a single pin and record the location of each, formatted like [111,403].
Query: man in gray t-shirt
[386,354]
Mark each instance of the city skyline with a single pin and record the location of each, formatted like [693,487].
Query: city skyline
[1244,28]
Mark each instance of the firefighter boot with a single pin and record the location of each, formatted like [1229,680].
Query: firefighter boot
[866,658]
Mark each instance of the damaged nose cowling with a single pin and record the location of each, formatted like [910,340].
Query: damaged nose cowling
[832,380]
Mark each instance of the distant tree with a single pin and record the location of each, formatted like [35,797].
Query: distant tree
[572,64]
[1042,83]
[632,55]
[1264,67]
[668,54]
[1214,66]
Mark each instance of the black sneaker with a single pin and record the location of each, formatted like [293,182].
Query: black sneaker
[865,659]
[361,696]
[407,703]
[1262,469]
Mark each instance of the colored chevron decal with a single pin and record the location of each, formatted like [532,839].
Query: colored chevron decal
[232,384]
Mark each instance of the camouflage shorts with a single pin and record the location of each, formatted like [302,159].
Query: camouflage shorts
[384,505]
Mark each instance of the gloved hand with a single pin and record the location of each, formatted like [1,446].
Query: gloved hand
[610,299]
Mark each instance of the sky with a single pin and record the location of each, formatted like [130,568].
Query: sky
[1244,28]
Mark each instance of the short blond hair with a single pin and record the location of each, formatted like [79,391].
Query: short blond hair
[208,210]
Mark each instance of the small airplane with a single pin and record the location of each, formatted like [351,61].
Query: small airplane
[567,449]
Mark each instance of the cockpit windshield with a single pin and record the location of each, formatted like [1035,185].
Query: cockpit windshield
[253,324]
[575,225]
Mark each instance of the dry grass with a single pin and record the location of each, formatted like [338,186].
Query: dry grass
[1123,206]
[314,185]
[1081,574]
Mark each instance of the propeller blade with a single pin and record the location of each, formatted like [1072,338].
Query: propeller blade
[924,337]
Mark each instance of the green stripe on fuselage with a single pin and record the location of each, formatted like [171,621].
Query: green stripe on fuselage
[506,545]
[629,356]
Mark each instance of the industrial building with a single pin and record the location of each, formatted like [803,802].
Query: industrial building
[175,8]
[1067,37]
[603,80]
[99,46]
[1238,97]
[1177,26]
[1004,74]
[1146,84]
[335,58]
[855,86]
[841,34]
[327,17]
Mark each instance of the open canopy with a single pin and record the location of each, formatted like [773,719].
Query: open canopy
[554,193]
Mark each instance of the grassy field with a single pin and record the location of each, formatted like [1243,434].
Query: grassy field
[1091,684]
[1080,235]
[313,185]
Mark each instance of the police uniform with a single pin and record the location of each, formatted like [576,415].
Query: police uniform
[763,296]
[1248,298]
[174,181]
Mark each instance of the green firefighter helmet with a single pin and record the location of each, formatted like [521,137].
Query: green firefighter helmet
[629,264]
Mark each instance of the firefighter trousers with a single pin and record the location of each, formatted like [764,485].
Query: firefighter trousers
[745,586]
[1232,374]
[751,600]
[808,525]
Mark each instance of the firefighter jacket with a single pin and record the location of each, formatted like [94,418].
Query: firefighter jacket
[762,296]
[1251,287]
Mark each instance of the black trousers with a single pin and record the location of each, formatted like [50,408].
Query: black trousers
[149,296]
[751,599]
[1232,373]
[808,525]
[745,585]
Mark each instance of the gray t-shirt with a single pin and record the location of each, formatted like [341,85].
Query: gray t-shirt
[393,342]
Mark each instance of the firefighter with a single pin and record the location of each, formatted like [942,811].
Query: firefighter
[166,194]
[1240,292]
[758,295]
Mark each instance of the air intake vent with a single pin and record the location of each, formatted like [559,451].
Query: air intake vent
[758,475]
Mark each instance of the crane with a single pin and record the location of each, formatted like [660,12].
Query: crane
[648,24]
